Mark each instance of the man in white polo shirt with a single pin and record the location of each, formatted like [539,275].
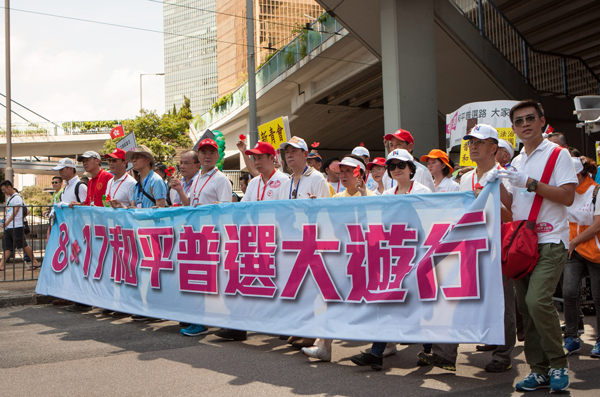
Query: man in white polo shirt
[189,168]
[543,338]
[264,187]
[211,186]
[403,139]
[74,190]
[120,187]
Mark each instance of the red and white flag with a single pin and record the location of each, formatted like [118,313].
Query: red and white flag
[117,132]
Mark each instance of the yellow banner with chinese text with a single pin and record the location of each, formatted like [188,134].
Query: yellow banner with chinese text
[274,132]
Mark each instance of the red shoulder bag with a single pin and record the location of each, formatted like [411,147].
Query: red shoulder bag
[519,238]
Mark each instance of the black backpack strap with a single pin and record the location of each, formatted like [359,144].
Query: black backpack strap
[139,186]
[77,191]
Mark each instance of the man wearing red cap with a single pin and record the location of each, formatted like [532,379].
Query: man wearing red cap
[212,185]
[266,186]
[120,187]
[403,139]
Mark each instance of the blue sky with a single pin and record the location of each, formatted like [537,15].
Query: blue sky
[72,70]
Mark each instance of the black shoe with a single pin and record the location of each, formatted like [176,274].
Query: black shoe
[366,359]
[485,348]
[119,314]
[422,364]
[78,307]
[136,317]
[184,325]
[107,311]
[232,334]
[440,362]
[497,366]
[283,337]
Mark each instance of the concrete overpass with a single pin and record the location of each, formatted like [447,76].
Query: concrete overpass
[54,145]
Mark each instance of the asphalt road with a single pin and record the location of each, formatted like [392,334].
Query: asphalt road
[47,351]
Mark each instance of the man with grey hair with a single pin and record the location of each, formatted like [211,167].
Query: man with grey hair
[558,138]
[505,152]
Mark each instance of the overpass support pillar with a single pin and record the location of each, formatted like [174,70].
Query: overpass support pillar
[409,73]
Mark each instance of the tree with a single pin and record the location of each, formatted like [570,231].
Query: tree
[163,135]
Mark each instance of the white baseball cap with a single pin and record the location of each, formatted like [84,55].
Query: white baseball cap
[507,145]
[399,154]
[349,161]
[482,131]
[577,164]
[361,151]
[64,163]
[295,142]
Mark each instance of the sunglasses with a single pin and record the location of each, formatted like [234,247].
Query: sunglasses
[401,165]
[113,160]
[137,156]
[520,121]
[55,183]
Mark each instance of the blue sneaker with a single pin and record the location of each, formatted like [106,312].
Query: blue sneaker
[559,379]
[596,350]
[532,382]
[194,330]
[572,345]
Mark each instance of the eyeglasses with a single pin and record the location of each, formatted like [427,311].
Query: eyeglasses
[55,183]
[113,160]
[476,142]
[401,165]
[521,120]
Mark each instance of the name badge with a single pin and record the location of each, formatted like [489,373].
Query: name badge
[139,205]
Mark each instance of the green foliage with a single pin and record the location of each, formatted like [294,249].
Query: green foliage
[267,59]
[89,125]
[161,134]
[35,195]
[222,102]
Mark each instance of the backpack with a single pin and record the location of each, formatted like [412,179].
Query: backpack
[76,191]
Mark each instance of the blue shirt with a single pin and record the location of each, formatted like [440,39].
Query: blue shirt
[154,186]
[597,177]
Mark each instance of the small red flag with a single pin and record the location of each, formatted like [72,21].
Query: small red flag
[117,132]
[357,171]
[243,137]
[315,144]
[549,129]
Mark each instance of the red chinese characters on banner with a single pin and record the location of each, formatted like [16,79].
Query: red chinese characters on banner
[198,259]
[309,257]
[379,262]
[157,244]
[250,260]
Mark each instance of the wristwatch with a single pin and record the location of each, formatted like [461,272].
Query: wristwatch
[532,186]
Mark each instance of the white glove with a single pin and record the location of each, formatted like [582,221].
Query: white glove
[516,178]
[492,175]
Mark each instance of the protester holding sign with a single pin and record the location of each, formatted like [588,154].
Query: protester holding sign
[403,139]
[441,169]
[584,253]
[120,187]
[543,340]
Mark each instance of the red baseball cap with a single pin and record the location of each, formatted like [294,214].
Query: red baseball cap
[207,142]
[380,161]
[261,148]
[116,154]
[401,134]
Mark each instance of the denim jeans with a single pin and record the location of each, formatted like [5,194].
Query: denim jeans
[576,268]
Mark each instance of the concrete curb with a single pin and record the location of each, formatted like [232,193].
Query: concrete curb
[21,299]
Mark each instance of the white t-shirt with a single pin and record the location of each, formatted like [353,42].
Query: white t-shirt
[337,186]
[311,181]
[14,201]
[210,187]
[68,194]
[416,188]
[121,189]
[552,225]
[447,185]
[257,191]
[187,188]
[422,175]
[582,211]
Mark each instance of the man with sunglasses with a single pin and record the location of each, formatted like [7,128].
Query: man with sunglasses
[483,145]
[543,338]
[120,187]
[305,182]
[189,168]
[403,139]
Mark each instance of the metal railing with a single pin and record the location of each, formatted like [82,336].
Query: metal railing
[302,45]
[18,266]
[544,71]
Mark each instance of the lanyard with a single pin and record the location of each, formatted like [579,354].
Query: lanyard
[112,182]
[338,186]
[141,192]
[299,179]
[190,185]
[265,188]
[409,190]
[197,197]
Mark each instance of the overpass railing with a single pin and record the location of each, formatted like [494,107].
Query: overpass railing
[308,40]
[545,71]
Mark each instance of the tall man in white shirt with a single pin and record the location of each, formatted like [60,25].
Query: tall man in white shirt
[543,338]
[264,187]
[120,187]
[189,168]
[403,139]
[483,145]
[74,190]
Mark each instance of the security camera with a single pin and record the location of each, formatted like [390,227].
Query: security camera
[587,107]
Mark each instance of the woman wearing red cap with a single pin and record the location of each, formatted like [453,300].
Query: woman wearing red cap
[377,169]
[440,167]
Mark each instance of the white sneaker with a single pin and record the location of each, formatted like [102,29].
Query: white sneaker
[317,352]
[390,350]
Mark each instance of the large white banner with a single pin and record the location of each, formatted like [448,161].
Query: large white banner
[410,268]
